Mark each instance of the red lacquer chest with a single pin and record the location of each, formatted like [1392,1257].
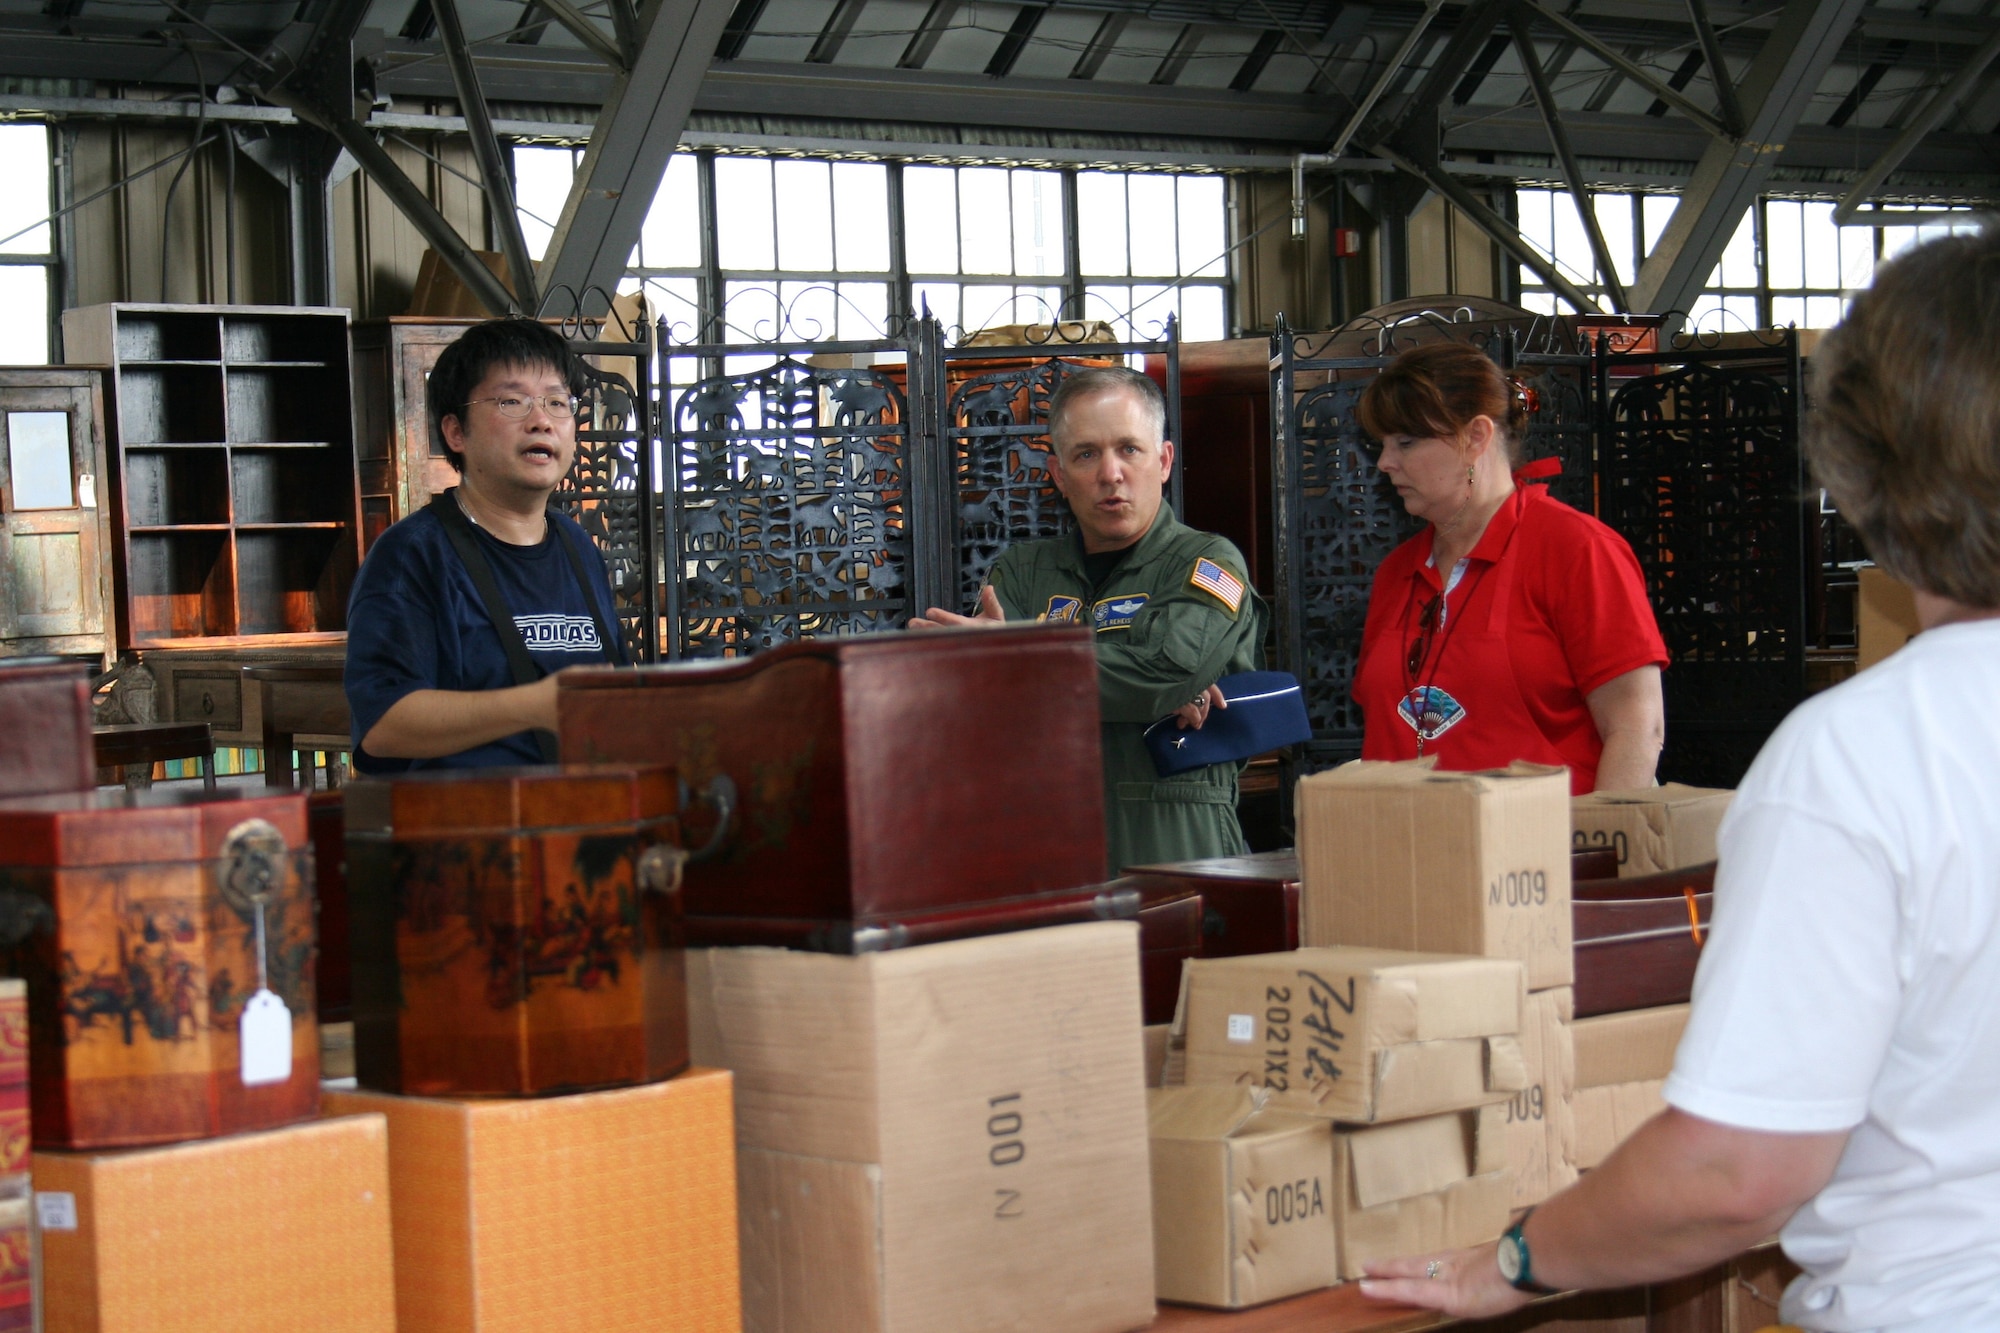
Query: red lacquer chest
[887,789]
[1169,935]
[149,925]
[45,741]
[1250,904]
[1638,940]
[516,931]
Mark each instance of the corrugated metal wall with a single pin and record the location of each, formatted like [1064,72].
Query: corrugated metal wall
[116,253]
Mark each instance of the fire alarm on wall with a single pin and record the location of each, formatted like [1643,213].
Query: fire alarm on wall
[1346,242]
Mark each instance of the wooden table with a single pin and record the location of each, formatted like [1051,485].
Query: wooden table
[304,707]
[128,745]
[1341,1309]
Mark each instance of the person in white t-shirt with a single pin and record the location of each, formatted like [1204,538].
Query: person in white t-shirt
[1840,1074]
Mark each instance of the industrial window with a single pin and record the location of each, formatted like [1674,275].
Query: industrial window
[816,250]
[1787,263]
[27,244]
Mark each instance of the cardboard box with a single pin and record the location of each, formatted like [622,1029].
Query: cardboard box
[1632,1047]
[1359,1035]
[1606,1116]
[1434,1183]
[1653,829]
[602,1210]
[944,1137]
[1885,616]
[280,1230]
[1541,1135]
[1242,1198]
[1156,1054]
[1402,856]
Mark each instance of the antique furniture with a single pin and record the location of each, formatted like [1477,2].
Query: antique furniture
[869,792]
[134,747]
[296,702]
[1593,863]
[402,462]
[1169,934]
[45,743]
[159,933]
[516,931]
[1638,940]
[326,825]
[232,468]
[55,528]
[1250,904]
[196,685]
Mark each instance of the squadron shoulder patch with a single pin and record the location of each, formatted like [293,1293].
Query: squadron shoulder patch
[1218,583]
[1063,608]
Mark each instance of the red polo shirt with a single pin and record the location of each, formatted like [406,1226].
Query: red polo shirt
[1551,606]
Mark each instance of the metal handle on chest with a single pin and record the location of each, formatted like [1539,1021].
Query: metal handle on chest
[659,869]
[251,864]
[720,794]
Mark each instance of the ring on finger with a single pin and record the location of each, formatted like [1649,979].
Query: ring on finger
[1432,1269]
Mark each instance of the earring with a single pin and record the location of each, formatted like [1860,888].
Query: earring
[1468,474]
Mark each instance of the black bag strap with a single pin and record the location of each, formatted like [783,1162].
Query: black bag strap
[522,667]
[614,647]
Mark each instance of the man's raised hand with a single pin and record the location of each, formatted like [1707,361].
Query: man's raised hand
[989,614]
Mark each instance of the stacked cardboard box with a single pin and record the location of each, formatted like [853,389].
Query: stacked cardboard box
[1404,856]
[1622,1061]
[1653,829]
[1413,1056]
[946,1136]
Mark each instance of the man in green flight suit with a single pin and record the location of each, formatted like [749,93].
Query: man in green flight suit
[1172,609]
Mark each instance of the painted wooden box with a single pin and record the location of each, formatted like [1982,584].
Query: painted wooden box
[516,931]
[1638,939]
[45,739]
[15,1133]
[882,790]
[147,925]
[1250,904]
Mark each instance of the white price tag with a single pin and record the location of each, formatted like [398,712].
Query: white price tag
[266,1034]
[55,1210]
[86,490]
[1242,1027]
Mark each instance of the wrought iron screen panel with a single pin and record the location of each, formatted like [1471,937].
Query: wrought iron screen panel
[994,428]
[610,490]
[1566,413]
[1701,473]
[791,503]
[1336,518]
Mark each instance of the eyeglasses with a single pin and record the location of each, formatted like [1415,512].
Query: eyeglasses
[557,405]
[1426,626]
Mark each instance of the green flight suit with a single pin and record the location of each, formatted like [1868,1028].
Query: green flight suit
[1165,632]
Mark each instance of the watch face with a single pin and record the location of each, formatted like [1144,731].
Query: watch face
[1510,1259]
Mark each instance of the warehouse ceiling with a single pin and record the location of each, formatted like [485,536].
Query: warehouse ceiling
[1898,97]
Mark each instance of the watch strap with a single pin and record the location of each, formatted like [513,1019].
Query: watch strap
[1524,1279]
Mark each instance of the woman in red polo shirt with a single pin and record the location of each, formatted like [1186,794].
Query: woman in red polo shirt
[1513,626]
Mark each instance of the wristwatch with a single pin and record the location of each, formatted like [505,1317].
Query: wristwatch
[1515,1265]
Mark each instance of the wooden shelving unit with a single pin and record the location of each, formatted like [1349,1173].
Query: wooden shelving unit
[234,495]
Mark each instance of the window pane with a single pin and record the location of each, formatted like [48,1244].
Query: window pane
[1037,305]
[673,300]
[1784,246]
[38,460]
[1739,260]
[1822,245]
[810,311]
[1107,303]
[1655,211]
[986,307]
[671,236]
[1100,216]
[1740,312]
[805,215]
[985,221]
[1823,312]
[1151,304]
[861,217]
[1202,315]
[1614,219]
[24,334]
[1204,214]
[1542,303]
[930,221]
[750,310]
[24,165]
[743,231]
[1788,310]
[1857,256]
[1038,225]
[1537,222]
[1572,251]
[1155,249]
[541,187]
[864,309]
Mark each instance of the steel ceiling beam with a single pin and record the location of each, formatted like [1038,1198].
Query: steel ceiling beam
[636,133]
[1934,111]
[834,34]
[1467,40]
[1776,91]
[580,27]
[925,39]
[1015,40]
[1611,56]
[493,172]
[1175,62]
[1718,68]
[1099,47]
[1579,188]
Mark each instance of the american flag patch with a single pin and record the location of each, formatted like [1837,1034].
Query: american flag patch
[1219,583]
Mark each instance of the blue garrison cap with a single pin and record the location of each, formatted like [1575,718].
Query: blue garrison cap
[1267,710]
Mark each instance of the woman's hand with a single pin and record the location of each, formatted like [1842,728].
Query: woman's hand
[1462,1283]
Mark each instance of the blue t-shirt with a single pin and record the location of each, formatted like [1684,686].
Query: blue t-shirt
[415,622]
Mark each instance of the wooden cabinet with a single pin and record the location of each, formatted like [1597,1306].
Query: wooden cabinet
[402,464]
[55,530]
[233,484]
